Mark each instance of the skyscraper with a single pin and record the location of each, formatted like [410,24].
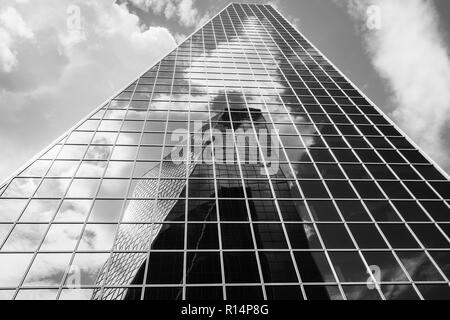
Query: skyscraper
[243,165]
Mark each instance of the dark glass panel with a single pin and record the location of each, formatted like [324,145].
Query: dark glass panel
[368,190]
[323,211]
[263,210]
[355,171]
[435,291]
[233,210]
[419,266]
[164,267]
[341,189]
[361,292]
[269,236]
[349,266]
[382,211]
[244,293]
[442,259]
[399,292]
[202,236]
[335,236]
[394,190]
[420,190]
[204,293]
[277,267]
[438,210]
[313,189]
[313,267]
[203,267]
[399,236]
[240,267]
[430,236]
[236,236]
[284,292]
[410,211]
[316,292]
[367,236]
[353,210]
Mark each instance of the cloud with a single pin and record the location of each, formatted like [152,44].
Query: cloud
[409,52]
[12,29]
[50,71]
[183,10]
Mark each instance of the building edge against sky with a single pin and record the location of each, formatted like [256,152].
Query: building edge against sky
[317,110]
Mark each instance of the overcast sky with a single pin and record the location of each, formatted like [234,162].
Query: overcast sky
[51,76]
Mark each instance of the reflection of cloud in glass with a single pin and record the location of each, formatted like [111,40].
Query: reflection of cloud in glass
[39,210]
[98,237]
[25,237]
[7,294]
[63,168]
[76,294]
[98,152]
[11,208]
[21,188]
[91,169]
[52,188]
[40,294]
[89,265]
[62,237]
[73,211]
[47,270]
[83,188]
[37,168]
[13,268]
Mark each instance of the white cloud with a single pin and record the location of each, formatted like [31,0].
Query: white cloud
[410,53]
[184,10]
[12,29]
[13,22]
[48,71]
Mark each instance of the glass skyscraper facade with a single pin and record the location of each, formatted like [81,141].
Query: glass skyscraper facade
[243,165]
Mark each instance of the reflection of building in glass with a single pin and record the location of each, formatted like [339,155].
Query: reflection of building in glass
[126,269]
[354,211]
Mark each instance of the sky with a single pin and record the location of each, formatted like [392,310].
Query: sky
[60,59]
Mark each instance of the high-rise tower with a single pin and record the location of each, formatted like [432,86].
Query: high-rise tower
[241,165]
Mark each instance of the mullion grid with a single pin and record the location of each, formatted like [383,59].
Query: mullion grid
[60,201]
[285,234]
[101,179]
[373,105]
[157,198]
[124,204]
[238,163]
[333,123]
[323,180]
[390,123]
[188,161]
[186,204]
[219,224]
[16,222]
[401,181]
[376,224]
[57,209]
[364,205]
[308,209]
[385,163]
